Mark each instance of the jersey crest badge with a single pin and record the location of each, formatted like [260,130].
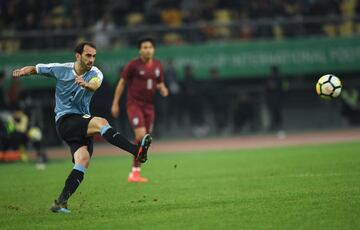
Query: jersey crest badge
[135,121]
[157,72]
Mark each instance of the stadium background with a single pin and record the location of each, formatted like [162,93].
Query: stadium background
[263,151]
[218,57]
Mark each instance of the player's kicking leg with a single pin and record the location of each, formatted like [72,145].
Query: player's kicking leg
[101,125]
[135,175]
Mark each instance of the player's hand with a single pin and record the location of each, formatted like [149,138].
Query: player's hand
[115,110]
[164,91]
[80,81]
[18,73]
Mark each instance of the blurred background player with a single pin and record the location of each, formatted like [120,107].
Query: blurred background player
[19,127]
[25,134]
[143,75]
[274,88]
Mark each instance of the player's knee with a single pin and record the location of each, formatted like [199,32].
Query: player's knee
[102,122]
[83,160]
[82,157]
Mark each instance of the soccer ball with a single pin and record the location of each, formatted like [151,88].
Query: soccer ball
[328,86]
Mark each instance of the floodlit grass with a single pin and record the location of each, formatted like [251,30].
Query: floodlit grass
[305,187]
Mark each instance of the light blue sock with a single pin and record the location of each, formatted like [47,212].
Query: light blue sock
[80,168]
[104,128]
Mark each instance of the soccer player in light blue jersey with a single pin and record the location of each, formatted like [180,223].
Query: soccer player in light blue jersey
[76,83]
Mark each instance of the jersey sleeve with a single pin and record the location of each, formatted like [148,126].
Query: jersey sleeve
[48,70]
[127,72]
[97,76]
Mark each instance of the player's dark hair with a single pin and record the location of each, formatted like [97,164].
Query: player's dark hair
[80,47]
[146,39]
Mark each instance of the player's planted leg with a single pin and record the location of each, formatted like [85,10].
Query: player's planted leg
[135,174]
[81,158]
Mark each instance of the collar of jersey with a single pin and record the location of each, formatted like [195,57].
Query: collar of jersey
[74,72]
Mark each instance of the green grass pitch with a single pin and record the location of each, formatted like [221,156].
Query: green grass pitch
[304,187]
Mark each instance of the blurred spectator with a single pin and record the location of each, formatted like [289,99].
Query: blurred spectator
[102,31]
[3,135]
[8,146]
[244,113]
[134,19]
[58,17]
[173,39]
[172,17]
[235,19]
[214,90]
[222,18]
[174,100]
[274,95]
[351,105]
[25,134]
[77,18]
[18,129]
[14,93]
[19,136]
[193,102]
[246,31]
[190,10]
[2,92]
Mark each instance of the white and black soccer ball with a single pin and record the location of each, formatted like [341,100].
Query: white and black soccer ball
[328,86]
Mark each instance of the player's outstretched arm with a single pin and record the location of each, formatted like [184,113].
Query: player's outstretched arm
[27,70]
[115,109]
[163,89]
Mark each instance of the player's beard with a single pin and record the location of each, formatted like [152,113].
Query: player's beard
[86,66]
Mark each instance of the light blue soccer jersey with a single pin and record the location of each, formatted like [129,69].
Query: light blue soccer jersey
[69,96]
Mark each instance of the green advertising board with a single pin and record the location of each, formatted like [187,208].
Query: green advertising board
[233,59]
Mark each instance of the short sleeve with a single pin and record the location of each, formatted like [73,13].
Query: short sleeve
[97,74]
[47,69]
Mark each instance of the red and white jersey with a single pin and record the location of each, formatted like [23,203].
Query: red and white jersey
[142,78]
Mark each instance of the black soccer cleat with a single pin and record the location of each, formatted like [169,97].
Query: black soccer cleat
[143,148]
[60,207]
